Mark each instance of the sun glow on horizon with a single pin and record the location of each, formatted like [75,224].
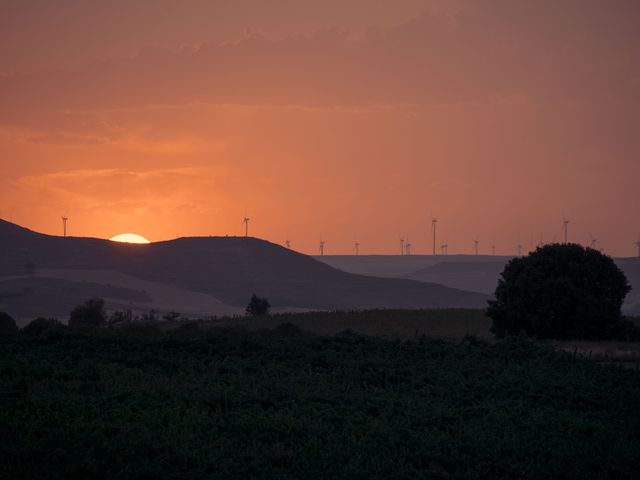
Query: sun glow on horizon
[129,238]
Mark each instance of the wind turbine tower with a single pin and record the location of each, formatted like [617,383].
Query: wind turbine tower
[638,245]
[245,220]
[401,245]
[493,250]
[434,222]
[476,243]
[444,249]
[565,228]
[594,242]
[519,249]
[407,247]
[322,243]
[357,247]
[64,225]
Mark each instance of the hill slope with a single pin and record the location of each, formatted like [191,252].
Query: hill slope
[228,268]
[475,276]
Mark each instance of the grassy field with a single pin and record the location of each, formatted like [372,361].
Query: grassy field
[443,323]
[194,402]
[451,324]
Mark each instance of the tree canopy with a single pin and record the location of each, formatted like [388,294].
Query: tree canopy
[258,306]
[91,314]
[7,323]
[560,291]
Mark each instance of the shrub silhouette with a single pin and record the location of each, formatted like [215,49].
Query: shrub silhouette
[7,324]
[258,306]
[171,316]
[560,292]
[91,314]
[39,325]
[121,317]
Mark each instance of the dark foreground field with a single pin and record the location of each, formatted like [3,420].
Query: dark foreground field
[228,403]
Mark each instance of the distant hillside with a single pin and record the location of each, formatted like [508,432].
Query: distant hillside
[399,265]
[631,268]
[227,268]
[467,272]
[475,276]
[31,296]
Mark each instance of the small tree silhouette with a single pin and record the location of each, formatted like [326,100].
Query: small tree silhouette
[91,314]
[40,325]
[258,306]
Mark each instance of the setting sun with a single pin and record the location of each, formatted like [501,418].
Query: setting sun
[129,238]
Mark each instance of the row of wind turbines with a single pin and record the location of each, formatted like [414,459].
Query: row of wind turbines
[405,244]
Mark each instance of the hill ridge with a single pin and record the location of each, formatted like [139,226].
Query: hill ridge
[231,269]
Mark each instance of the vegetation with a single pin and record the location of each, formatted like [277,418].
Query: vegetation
[140,402]
[91,314]
[258,306]
[39,325]
[7,324]
[446,322]
[560,292]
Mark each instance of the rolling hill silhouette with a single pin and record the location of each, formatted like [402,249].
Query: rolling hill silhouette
[477,273]
[227,268]
[475,276]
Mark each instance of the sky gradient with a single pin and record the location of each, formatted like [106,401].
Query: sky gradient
[337,120]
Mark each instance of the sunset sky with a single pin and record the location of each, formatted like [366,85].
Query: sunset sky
[330,119]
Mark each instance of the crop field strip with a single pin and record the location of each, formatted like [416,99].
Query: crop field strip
[232,403]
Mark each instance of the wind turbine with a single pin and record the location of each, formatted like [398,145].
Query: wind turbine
[493,250]
[434,222]
[476,243]
[64,224]
[519,249]
[401,245]
[638,245]
[245,220]
[407,247]
[594,241]
[322,244]
[444,248]
[357,247]
[565,228]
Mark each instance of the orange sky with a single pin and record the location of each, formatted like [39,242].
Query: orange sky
[341,120]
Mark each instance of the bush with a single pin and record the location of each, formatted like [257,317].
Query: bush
[39,325]
[171,316]
[559,292]
[121,317]
[7,324]
[258,306]
[91,314]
